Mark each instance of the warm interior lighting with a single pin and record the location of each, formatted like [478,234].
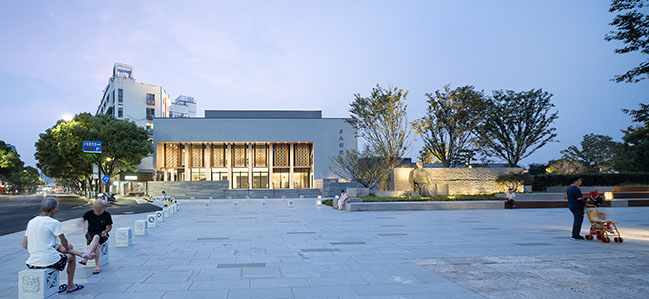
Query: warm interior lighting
[608,195]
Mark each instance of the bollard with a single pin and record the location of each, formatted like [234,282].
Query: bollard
[192,198]
[229,197]
[235,204]
[318,203]
[166,212]
[265,197]
[171,209]
[301,196]
[290,203]
[263,203]
[124,237]
[140,227]
[177,207]
[38,283]
[160,217]
[151,220]
[319,196]
[283,197]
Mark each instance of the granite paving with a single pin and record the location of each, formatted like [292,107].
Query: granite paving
[311,251]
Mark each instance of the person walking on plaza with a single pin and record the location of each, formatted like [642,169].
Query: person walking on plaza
[510,198]
[44,252]
[99,224]
[576,206]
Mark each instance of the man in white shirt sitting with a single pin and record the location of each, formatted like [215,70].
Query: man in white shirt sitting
[342,201]
[44,252]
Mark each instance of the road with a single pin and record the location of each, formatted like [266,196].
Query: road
[17,210]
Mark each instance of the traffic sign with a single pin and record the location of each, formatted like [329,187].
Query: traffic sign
[92,147]
[105,179]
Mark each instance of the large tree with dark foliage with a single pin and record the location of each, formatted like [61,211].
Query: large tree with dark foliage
[447,129]
[632,28]
[596,152]
[634,155]
[516,124]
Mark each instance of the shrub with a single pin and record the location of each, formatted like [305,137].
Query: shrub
[514,180]
[540,182]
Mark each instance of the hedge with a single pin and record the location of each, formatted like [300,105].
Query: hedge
[540,182]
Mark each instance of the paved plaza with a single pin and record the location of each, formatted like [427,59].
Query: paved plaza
[316,252]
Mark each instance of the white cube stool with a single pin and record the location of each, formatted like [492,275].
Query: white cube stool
[177,206]
[38,283]
[151,220]
[290,203]
[140,227]
[159,215]
[124,237]
[166,212]
[172,210]
[103,256]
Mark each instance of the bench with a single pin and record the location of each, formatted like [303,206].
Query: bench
[38,283]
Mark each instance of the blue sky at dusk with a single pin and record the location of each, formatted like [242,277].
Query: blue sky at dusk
[57,56]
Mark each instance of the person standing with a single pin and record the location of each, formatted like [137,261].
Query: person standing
[99,224]
[342,200]
[510,198]
[576,206]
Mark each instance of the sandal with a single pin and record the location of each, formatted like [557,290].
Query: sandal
[79,287]
[62,288]
[83,262]
[96,271]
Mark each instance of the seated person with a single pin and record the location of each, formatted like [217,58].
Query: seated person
[44,252]
[511,196]
[99,224]
[594,196]
[342,200]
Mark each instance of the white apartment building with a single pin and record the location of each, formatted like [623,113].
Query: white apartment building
[124,98]
[183,106]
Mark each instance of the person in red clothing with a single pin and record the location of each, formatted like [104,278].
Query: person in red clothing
[594,196]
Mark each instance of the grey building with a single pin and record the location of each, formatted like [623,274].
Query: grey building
[251,149]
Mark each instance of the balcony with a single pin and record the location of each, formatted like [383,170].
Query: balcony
[150,101]
[149,116]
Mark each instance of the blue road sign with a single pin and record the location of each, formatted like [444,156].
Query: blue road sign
[92,146]
[105,179]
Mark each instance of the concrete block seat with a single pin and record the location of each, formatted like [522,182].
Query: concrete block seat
[38,283]
[425,205]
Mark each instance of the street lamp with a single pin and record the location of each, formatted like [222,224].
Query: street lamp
[108,159]
[67,117]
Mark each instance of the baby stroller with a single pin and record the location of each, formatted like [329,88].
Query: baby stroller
[600,227]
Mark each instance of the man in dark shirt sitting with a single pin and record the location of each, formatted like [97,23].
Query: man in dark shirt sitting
[576,206]
[99,224]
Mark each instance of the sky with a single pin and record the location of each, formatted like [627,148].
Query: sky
[56,57]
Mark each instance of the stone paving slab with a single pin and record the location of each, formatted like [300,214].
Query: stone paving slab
[317,252]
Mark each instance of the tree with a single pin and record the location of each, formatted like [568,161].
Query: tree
[631,28]
[597,152]
[382,121]
[447,128]
[537,168]
[514,180]
[563,166]
[60,155]
[359,167]
[516,124]
[10,162]
[26,180]
[634,155]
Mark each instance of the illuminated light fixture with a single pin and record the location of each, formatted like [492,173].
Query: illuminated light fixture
[319,202]
[108,159]
[130,177]
[608,195]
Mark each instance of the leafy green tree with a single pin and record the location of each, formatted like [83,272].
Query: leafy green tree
[514,180]
[537,168]
[564,166]
[10,162]
[382,121]
[359,167]
[597,152]
[631,28]
[634,155]
[26,180]
[60,155]
[447,129]
[516,124]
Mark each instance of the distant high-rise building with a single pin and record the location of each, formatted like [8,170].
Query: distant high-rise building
[183,106]
[124,98]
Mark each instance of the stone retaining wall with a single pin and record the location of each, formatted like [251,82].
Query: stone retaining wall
[455,180]
[219,189]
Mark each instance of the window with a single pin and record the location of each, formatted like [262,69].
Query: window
[280,155]
[198,174]
[150,113]
[240,180]
[280,178]
[302,155]
[113,95]
[150,99]
[260,179]
[218,155]
[198,155]
[120,95]
[149,126]
[120,111]
[260,155]
[239,156]
[219,175]
[301,178]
